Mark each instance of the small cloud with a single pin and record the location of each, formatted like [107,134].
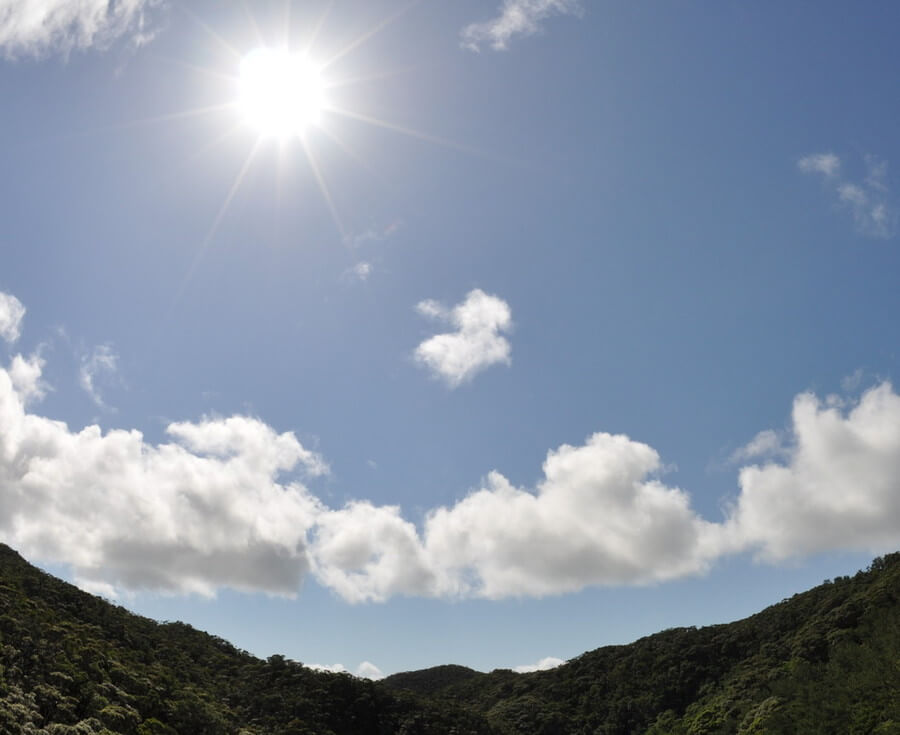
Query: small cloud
[366,670]
[478,342]
[826,164]
[868,201]
[517,18]
[39,27]
[360,272]
[101,364]
[766,443]
[545,664]
[11,314]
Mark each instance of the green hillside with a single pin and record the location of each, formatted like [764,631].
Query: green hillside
[824,661]
[72,663]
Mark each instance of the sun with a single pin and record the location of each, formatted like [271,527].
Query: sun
[281,94]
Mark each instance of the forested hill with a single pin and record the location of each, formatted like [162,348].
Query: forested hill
[71,663]
[824,661]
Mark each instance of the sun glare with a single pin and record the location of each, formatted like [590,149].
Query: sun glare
[281,94]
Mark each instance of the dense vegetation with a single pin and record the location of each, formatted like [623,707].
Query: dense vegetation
[825,661]
[71,663]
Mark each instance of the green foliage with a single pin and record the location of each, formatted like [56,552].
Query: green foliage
[73,664]
[824,662]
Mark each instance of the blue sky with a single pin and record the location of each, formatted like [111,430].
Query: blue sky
[558,324]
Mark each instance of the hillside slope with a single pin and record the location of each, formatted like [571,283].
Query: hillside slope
[73,663]
[824,661]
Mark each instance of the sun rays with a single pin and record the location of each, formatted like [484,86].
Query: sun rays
[287,96]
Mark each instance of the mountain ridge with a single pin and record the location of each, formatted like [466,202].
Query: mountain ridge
[826,660]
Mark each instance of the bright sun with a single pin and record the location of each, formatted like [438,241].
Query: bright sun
[281,94]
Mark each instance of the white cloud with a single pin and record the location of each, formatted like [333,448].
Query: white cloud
[11,314]
[25,374]
[598,517]
[869,202]
[765,443]
[201,512]
[838,488]
[369,553]
[545,664]
[366,670]
[218,505]
[361,271]
[826,164]
[36,27]
[516,18]
[102,362]
[480,321]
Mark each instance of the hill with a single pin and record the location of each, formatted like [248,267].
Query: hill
[825,661]
[71,663]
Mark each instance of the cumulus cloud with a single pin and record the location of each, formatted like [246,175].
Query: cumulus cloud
[516,18]
[102,363]
[11,314]
[370,553]
[25,374]
[598,517]
[37,27]
[203,511]
[222,503]
[545,664]
[868,201]
[838,488]
[478,342]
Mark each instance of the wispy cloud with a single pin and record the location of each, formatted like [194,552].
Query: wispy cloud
[477,342]
[869,201]
[765,444]
[102,363]
[37,27]
[11,314]
[373,235]
[516,18]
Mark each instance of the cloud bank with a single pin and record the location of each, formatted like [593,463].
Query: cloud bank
[37,27]
[868,201]
[222,503]
[516,18]
[480,321]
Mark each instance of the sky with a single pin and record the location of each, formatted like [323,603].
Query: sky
[385,335]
